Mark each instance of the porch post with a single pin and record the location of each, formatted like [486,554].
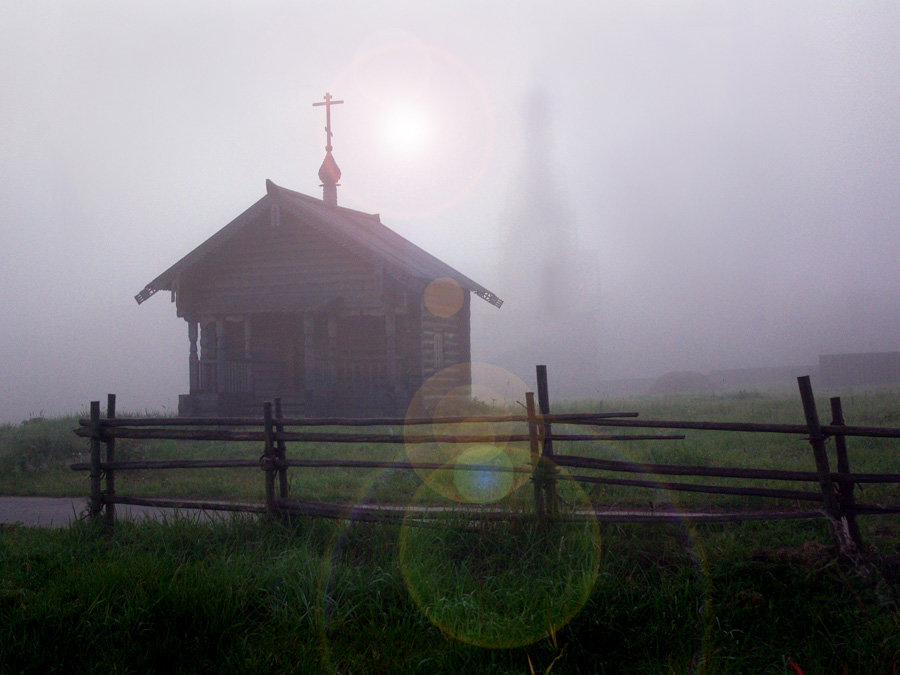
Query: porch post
[390,345]
[193,359]
[332,349]
[220,355]
[308,355]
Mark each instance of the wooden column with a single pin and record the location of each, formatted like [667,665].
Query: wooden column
[110,457]
[248,351]
[193,359]
[309,357]
[220,355]
[332,349]
[390,347]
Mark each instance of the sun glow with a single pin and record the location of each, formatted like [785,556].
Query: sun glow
[407,130]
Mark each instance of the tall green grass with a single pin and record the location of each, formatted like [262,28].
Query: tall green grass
[249,596]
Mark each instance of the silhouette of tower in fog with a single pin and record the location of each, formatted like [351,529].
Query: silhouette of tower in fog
[548,315]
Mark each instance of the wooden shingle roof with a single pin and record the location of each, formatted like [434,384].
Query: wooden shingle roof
[354,229]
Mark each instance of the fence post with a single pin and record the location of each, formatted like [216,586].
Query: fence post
[110,457]
[535,447]
[846,500]
[281,449]
[845,544]
[96,502]
[268,459]
[552,501]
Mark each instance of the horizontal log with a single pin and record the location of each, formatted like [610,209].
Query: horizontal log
[177,434]
[721,472]
[612,419]
[246,507]
[177,422]
[700,426]
[379,512]
[330,421]
[869,432]
[170,464]
[400,439]
[753,427]
[693,487]
[212,434]
[375,464]
[683,470]
[374,512]
[560,460]
[672,515]
[874,509]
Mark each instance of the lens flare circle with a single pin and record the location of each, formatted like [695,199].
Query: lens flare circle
[444,297]
[501,582]
[465,392]
[483,486]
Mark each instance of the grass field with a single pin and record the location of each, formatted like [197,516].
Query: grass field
[247,596]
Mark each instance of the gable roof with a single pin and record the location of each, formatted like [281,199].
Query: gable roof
[346,226]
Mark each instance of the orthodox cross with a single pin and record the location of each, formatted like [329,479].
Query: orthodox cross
[327,103]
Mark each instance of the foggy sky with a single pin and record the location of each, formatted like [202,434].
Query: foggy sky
[726,172]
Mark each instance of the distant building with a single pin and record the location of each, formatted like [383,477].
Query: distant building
[860,369]
[318,304]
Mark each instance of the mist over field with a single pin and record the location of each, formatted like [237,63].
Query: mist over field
[648,186]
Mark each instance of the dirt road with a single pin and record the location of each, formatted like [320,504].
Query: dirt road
[60,511]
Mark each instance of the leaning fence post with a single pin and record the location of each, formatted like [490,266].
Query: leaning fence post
[96,502]
[110,457]
[535,448]
[845,543]
[846,500]
[817,441]
[268,459]
[281,450]
[552,500]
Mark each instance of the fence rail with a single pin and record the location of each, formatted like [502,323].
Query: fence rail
[534,430]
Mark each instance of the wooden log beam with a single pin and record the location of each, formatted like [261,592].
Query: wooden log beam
[693,487]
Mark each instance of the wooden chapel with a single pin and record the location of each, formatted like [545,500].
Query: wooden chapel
[321,305]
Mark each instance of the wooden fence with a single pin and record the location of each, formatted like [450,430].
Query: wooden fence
[832,495]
